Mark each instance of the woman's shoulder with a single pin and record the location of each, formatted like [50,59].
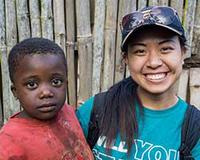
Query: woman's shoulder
[86,107]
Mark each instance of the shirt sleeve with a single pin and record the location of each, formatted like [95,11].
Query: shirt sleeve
[196,151]
[83,114]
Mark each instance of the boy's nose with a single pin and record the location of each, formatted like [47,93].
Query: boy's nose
[46,93]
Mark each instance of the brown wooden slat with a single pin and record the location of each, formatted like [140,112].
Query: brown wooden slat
[196,32]
[98,45]
[9,102]
[194,86]
[109,51]
[182,84]
[70,46]
[47,19]
[189,23]
[35,18]
[84,40]
[125,7]
[23,25]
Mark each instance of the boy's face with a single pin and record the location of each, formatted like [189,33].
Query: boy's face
[40,85]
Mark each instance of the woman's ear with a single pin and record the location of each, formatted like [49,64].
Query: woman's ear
[13,89]
[125,58]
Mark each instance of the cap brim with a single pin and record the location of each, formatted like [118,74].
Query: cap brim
[136,28]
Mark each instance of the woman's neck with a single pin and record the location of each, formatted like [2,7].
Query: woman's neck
[157,101]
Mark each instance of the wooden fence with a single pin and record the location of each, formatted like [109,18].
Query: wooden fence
[89,33]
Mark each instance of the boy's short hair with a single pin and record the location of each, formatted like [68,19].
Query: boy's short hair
[32,46]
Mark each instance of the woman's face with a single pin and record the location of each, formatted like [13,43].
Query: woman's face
[155,59]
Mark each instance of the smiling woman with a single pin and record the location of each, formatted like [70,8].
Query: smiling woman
[141,117]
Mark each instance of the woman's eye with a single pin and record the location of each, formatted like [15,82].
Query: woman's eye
[57,82]
[166,49]
[31,85]
[139,52]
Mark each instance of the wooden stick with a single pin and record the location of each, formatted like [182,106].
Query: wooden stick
[11,39]
[2,44]
[84,40]
[195,86]
[47,19]
[70,44]
[22,19]
[109,52]
[35,18]
[125,7]
[98,46]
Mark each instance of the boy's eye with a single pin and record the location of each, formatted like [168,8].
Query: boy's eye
[57,82]
[31,85]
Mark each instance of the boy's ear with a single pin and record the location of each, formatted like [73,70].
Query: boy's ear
[13,89]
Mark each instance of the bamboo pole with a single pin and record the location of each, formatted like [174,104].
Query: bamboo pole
[182,84]
[98,46]
[22,19]
[195,86]
[10,104]
[59,26]
[2,46]
[153,2]
[178,5]
[142,4]
[163,2]
[70,47]
[196,32]
[35,18]
[47,19]
[189,23]
[84,39]
[125,7]
[109,52]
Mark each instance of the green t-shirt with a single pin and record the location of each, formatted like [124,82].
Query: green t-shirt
[159,135]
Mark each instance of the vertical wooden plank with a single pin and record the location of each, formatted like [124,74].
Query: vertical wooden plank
[11,26]
[125,7]
[141,4]
[22,19]
[158,2]
[59,26]
[182,84]
[189,23]
[98,45]
[10,104]
[178,5]
[109,52]
[195,86]
[47,19]
[70,31]
[163,2]
[84,40]
[196,32]
[2,46]
[153,2]
[35,18]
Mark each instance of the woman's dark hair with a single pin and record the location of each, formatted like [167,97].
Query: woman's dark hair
[120,115]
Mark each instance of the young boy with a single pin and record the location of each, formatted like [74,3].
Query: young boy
[46,129]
